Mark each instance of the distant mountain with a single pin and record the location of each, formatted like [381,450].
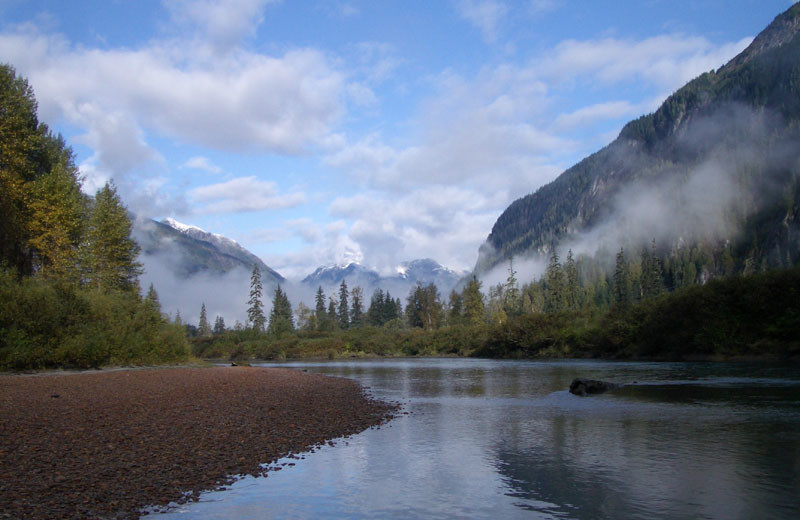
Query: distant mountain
[188,250]
[408,274]
[332,276]
[713,176]
[427,271]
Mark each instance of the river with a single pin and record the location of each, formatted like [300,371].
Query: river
[505,439]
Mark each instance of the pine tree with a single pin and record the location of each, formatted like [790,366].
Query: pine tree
[281,317]
[151,300]
[333,320]
[110,252]
[512,301]
[203,328]
[320,312]
[255,311]
[343,313]
[621,282]
[219,325]
[554,285]
[357,308]
[572,289]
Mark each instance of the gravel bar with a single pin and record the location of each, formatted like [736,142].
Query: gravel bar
[109,444]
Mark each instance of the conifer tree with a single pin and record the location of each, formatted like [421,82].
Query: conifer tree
[333,320]
[554,285]
[110,252]
[512,301]
[255,311]
[281,317]
[343,313]
[572,289]
[621,281]
[203,328]
[219,325]
[357,308]
[320,311]
[151,301]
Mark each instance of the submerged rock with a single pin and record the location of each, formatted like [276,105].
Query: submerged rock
[583,387]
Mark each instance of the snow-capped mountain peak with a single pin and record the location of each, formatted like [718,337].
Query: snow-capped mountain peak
[180,226]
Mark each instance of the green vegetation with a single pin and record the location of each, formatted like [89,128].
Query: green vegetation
[575,310]
[69,290]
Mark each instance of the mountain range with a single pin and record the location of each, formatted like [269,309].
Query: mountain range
[187,251]
[408,274]
[712,176]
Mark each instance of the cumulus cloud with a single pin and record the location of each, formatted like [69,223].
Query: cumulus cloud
[483,14]
[201,163]
[243,194]
[667,61]
[223,23]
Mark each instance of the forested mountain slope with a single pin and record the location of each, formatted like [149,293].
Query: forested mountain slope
[711,176]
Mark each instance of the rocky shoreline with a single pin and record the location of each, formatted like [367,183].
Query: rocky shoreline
[108,444]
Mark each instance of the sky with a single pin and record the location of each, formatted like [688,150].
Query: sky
[316,132]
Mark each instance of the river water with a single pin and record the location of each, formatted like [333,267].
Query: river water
[505,439]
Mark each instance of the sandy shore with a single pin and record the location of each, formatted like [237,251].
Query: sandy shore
[107,444]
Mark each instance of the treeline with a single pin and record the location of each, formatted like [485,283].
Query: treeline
[69,290]
[576,309]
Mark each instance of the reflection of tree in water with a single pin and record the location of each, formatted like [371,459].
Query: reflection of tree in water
[550,483]
[633,458]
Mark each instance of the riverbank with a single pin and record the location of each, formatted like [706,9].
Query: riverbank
[110,443]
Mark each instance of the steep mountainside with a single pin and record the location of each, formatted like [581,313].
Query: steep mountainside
[716,169]
[188,250]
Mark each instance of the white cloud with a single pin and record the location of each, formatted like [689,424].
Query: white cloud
[587,115]
[201,163]
[667,61]
[243,194]
[224,23]
[483,14]
[245,101]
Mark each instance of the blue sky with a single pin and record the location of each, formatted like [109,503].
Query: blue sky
[315,132]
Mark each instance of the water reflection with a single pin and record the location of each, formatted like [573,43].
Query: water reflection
[489,439]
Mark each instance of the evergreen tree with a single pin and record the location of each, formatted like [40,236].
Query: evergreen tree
[474,309]
[621,281]
[255,311]
[203,328]
[219,325]
[281,318]
[357,308]
[110,252]
[320,312]
[554,285]
[375,311]
[343,313]
[333,319]
[178,320]
[572,289]
[151,300]
[512,300]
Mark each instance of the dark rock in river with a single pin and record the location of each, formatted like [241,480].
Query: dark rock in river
[583,387]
